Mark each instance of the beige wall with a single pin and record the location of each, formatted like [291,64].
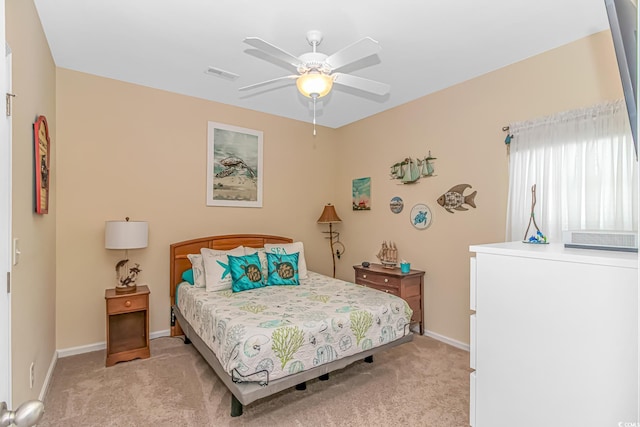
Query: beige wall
[461,126]
[127,150]
[34,278]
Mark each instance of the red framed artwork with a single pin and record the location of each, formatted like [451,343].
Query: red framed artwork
[42,147]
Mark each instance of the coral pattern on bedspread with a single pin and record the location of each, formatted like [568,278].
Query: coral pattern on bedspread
[287,329]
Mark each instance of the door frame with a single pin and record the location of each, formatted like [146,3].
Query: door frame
[5,219]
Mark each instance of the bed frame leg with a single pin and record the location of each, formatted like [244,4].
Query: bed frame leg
[301,386]
[236,407]
[324,377]
[187,340]
[369,359]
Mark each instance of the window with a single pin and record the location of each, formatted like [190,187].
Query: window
[585,170]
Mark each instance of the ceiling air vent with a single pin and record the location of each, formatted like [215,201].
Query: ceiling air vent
[227,75]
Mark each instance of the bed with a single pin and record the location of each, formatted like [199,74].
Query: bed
[262,341]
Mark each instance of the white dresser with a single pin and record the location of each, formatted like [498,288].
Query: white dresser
[554,336]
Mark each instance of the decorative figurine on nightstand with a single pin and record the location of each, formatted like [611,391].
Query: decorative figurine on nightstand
[127,279]
[538,237]
[388,255]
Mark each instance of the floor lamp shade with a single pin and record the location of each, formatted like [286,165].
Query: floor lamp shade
[126,234]
[329,215]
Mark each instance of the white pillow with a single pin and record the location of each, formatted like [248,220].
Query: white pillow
[197,266]
[216,267]
[290,248]
[263,259]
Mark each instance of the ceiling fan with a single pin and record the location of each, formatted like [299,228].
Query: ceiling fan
[317,71]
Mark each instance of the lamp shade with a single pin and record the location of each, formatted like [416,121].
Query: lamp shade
[126,234]
[329,215]
[314,84]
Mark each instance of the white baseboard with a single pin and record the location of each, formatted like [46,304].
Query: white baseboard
[165,333]
[47,379]
[158,334]
[72,351]
[447,340]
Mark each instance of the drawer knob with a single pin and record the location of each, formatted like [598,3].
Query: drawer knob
[386,290]
[127,303]
[364,276]
[386,280]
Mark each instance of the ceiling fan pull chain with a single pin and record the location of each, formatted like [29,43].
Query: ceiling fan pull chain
[314,115]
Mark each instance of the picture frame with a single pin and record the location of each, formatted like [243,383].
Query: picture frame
[361,194]
[421,216]
[41,163]
[396,204]
[234,166]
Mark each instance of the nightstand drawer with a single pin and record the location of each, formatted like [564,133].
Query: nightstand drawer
[374,279]
[127,303]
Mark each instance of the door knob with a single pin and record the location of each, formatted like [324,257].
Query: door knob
[27,414]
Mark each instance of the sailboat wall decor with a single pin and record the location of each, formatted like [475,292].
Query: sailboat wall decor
[409,171]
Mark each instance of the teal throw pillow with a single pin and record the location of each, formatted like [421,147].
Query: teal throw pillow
[245,272]
[283,269]
[187,276]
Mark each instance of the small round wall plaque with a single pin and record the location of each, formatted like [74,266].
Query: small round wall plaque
[421,216]
[396,205]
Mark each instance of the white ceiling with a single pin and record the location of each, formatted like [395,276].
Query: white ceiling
[427,45]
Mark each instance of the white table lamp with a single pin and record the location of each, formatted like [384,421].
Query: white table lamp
[126,235]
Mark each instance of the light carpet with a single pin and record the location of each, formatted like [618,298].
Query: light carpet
[420,383]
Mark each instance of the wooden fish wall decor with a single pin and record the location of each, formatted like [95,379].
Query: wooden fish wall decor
[410,171]
[454,199]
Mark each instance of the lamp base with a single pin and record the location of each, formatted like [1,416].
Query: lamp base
[126,289]
[126,277]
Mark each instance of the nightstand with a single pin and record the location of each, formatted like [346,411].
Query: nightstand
[127,325]
[407,286]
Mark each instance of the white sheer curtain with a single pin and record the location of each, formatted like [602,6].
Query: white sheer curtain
[585,170]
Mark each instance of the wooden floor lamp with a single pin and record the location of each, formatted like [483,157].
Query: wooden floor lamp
[329,216]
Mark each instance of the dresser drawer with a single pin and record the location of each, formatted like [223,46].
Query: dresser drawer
[385,289]
[373,279]
[127,303]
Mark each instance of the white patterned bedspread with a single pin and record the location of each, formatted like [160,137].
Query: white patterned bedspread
[288,329]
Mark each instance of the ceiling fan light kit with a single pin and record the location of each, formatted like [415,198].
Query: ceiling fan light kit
[314,84]
[316,71]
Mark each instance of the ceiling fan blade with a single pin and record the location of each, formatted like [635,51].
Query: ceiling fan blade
[272,50]
[361,83]
[266,82]
[352,53]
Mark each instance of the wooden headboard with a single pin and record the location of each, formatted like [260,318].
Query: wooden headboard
[179,262]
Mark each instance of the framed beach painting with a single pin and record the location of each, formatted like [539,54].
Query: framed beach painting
[361,194]
[234,166]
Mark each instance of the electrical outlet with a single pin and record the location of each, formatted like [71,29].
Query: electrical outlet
[32,374]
